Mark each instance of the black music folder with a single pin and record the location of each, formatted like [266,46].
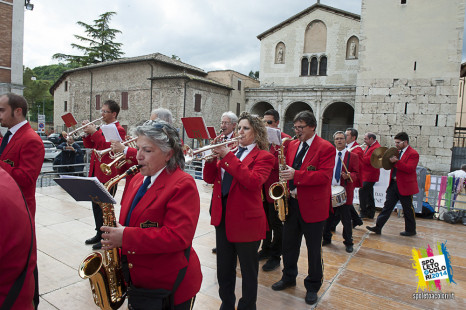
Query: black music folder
[85,189]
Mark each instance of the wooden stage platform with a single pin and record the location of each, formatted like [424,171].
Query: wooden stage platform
[377,275]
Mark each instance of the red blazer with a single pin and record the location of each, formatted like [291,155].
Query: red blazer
[97,141]
[15,239]
[25,152]
[369,173]
[245,219]
[273,177]
[359,152]
[406,176]
[314,179]
[353,168]
[157,253]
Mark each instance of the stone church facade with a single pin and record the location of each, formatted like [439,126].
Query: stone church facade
[394,68]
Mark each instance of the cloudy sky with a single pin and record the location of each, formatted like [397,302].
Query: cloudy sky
[209,34]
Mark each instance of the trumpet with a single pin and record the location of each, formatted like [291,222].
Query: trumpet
[107,168]
[101,153]
[73,133]
[190,154]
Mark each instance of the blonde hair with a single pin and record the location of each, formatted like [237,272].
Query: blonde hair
[260,132]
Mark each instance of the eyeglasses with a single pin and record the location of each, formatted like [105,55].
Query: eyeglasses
[269,122]
[225,123]
[299,128]
[105,112]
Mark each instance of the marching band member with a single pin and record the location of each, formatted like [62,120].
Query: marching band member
[402,186]
[237,211]
[310,161]
[21,156]
[272,248]
[158,217]
[355,148]
[95,139]
[369,175]
[343,159]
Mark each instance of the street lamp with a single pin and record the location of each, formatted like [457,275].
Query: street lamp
[29,6]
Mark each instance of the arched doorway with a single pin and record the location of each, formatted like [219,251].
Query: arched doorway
[260,108]
[337,116]
[291,112]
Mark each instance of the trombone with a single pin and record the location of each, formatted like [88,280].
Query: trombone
[191,155]
[73,133]
[119,158]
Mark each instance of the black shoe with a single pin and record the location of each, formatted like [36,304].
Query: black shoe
[363,216]
[97,246]
[214,251]
[375,229]
[262,254]
[93,240]
[357,223]
[311,298]
[272,264]
[349,248]
[407,233]
[326,242]
[281,285]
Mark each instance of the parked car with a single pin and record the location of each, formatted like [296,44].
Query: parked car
[55,138]
[50,150]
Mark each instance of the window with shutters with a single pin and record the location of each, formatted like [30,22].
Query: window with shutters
[97,102]
[66,105]
[197,103]
[323,66]
[124,100]
[304,67]
[314,66]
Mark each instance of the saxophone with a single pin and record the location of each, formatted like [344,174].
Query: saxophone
[103,269]
[278,191]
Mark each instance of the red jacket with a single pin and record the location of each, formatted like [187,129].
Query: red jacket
[369,173]
[273,177]
[359,152]
[22,158]
[97,141]
[245,219]
[157,253]
[15,240]
[406,176]
[353,168]
[314,179]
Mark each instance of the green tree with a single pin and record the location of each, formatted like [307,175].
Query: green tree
[52,72]
[254,75]
[37,95]
[100,43]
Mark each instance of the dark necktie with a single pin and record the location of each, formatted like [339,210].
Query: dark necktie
[298,161]
[228,178]
[367,149]
[338,169]
[5,141]
[394,168]
[142,190]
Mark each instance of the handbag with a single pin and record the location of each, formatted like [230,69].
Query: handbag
[152,299]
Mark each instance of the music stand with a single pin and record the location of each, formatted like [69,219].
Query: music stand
[69,120]
[85,189]
[195,128]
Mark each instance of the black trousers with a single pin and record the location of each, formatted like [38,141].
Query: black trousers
[392,197]
[272,243]
[366,200]
[98,215]
[227,254]
[354,217]
[187,305]
[342,213]
[293,231]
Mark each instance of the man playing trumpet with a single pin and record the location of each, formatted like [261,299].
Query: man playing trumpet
[95,139]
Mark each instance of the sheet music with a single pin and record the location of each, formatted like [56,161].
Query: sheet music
[79,188]
[274,136]
[111,133]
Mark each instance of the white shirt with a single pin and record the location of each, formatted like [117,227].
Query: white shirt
[15,128]
[403,151]
[334,181]
[348,146]
[458,174]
